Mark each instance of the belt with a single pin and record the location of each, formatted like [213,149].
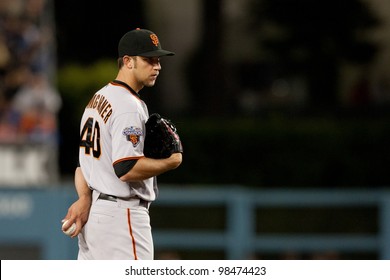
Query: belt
[113,198]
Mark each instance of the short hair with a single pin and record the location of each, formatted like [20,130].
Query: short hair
[120,62]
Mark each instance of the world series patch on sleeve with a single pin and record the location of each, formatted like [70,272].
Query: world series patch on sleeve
[161,138]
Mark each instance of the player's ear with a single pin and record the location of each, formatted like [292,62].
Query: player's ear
[128,61]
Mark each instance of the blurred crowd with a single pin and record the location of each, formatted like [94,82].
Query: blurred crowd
[29,102]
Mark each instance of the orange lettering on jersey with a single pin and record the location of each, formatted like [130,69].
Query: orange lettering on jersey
[154,39]
[90,103]
[108,115]
[96,101]
[100,103]
[105,112]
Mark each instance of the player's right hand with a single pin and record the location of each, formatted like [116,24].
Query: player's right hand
[78,213]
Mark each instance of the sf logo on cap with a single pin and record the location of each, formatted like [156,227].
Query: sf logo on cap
[154,39]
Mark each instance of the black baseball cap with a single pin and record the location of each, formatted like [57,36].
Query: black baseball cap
[141,42]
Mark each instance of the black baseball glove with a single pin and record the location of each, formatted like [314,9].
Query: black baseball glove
[161,138]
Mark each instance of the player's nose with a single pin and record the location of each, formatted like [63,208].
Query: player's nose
[157,66]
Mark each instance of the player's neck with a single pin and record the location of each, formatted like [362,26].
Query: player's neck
[123,84]
[129,81]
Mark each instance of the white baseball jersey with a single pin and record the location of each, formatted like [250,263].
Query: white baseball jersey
[113,130]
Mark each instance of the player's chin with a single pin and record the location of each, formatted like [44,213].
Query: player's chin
[150,83]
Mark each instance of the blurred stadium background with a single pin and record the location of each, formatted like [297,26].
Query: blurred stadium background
[283,107]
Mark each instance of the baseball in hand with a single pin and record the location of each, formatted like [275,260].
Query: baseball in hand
[70,230]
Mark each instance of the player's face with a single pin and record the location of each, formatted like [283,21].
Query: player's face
[147,70]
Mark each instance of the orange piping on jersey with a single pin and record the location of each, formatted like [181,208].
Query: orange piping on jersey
[128,158]
[119,85]
[131,233]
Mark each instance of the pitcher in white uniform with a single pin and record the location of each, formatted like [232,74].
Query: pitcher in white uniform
[115,182]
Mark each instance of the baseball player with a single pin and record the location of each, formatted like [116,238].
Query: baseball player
[115,182]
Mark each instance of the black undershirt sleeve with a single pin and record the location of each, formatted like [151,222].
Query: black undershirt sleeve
[121,168]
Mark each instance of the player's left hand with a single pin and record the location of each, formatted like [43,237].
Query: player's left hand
[162,139]
[78,213]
